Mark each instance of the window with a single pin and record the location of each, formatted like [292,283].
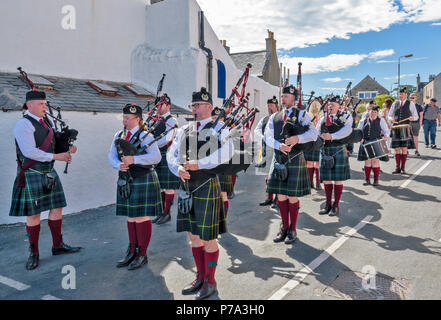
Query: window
[361,95]
[367,94]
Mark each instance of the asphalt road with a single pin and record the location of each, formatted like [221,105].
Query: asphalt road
[393,229]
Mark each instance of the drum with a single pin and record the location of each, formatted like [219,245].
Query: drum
[376,149]
[401,132]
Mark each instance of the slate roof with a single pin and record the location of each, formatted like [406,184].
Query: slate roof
[72,95]
[369,84]
[258,59]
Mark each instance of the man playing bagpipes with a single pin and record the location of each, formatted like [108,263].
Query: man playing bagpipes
[374,129]
[334,162]
[169,182]
[265,154]
[401,114]
[37,187]
[288,176]
[194,152]
[133,153]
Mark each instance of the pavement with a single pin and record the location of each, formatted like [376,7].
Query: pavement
[391,232]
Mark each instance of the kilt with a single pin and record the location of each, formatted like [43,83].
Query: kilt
[312,155]
[145,198]
[341,170]
[226,183]
[410,143]
[207,217]
[166,178]
[296,185]
[32,199]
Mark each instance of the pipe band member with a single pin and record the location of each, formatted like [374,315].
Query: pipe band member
[191,156]
[297,183]
[139,192]
[169,182]
[333,126]
[402,112]
[374,128]
[37,187]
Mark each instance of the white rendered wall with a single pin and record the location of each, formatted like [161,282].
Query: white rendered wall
[107,31]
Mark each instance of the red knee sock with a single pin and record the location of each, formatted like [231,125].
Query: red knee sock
[226,206]
[317,176]
[234,180]
[376,173]
[210,265]
[33,232]
[337,194]
[163,200]
[55,226]
[398,159]
[328,192]
[199,260]
[131,228]
[403,160]
[284,213]
[367,172]
[311,174]
[143,235]
[293,214]
[168,200]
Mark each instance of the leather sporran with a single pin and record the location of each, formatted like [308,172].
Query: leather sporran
[49,181]
[327,161]
[185,201]
[280,171]
[123,185]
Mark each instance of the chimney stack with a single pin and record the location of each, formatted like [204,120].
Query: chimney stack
[224,43]
[271,43]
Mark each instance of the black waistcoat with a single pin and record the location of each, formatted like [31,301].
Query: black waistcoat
[403,112]
[160,129]
[337,124]
[372,129]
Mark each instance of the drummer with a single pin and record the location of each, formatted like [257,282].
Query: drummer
[401,114]
[374,128]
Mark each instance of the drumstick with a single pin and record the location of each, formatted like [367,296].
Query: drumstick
[404,120]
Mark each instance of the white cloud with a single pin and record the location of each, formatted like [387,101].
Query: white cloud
[333,89]
[436,24]
[335,80]
[381,54]
[401,61]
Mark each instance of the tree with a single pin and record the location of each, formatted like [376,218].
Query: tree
[410,89]
[379,100]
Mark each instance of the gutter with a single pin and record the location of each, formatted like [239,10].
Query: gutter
[207,50]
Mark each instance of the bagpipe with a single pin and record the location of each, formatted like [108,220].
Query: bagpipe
[64,136]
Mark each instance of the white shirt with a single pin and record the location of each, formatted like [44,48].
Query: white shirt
[383,126]
[220,156]
[397,104]
[343,132]
[24,135]
[153,156]
[308,136]
[170,132]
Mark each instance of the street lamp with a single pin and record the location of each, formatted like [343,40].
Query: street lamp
[406,56]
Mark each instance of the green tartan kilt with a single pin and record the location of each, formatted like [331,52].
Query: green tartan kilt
[296,185]
[341,170]
[207,217]
[312,155]
[226,183]
[32,199]
[166,178]
[409,144]
[145,198]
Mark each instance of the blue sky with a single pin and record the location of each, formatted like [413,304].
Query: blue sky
[337,39]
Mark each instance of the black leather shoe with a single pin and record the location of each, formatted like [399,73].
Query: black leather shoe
[312,185]
[206,291]
[267,202]
[367,182]
[138,262]
[193,287]
[230,195]
[281,236]
[157,218]
[64,248]
[326,209]
[403,171]
[375,183]
[291,236]
[275,205]
[397,170]
[33,261]
[334,211]
[318,187]
[127,260]
[165,218]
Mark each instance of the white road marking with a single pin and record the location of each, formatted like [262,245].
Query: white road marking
[14,284]
[49,297]
[406,183]
[302,274]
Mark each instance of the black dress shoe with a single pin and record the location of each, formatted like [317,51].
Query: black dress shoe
[367,182]
[326,209]
[165,218]
[157,218]
[312,185]
[334,211]
[275,205]
[375,183]
[64,248]
[206,291]
[230,195]
[397,170]
[33,261]
[193,287]
[138,262]
[291,236]
[318,187]
[281,236]
[267,202]
[127,260]
[403,171]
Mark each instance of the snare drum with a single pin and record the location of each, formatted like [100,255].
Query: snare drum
[401,132]
[376,149]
